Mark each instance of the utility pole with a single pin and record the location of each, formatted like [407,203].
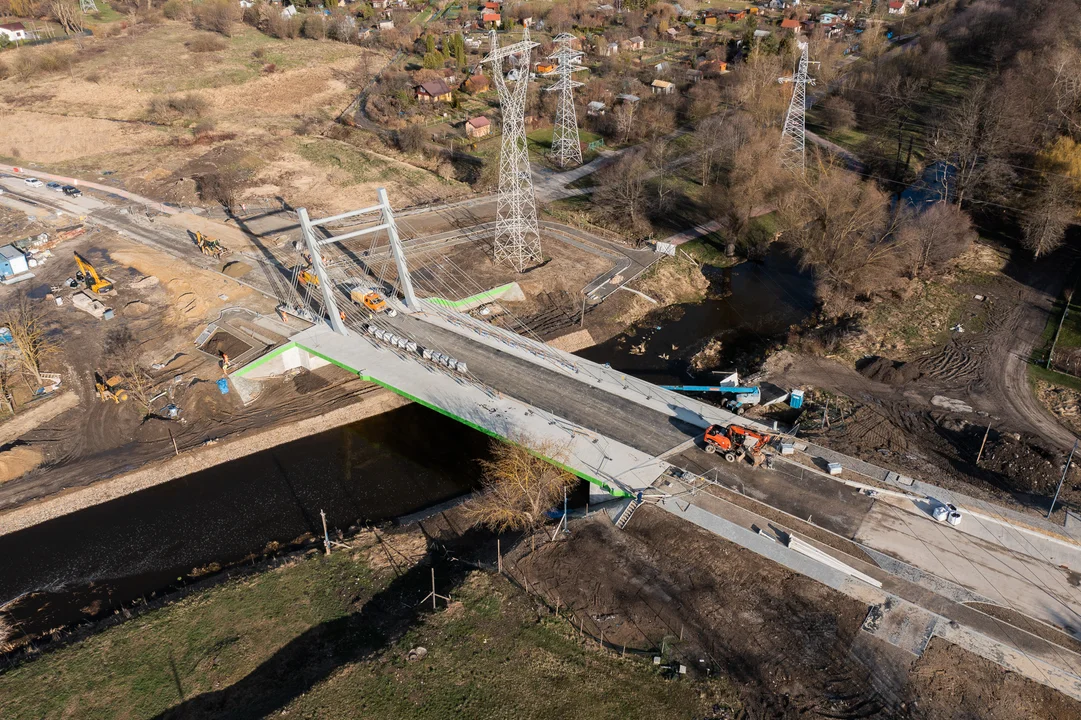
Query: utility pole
[793,137]
[517,234]
[566,146]
[1061,479]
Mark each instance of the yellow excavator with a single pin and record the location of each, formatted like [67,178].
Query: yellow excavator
[89,275]
[210,246]
[109,389]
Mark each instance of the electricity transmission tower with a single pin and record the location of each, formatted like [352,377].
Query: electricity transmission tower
[517,236]
[793,154]
[88,6]
[566,147]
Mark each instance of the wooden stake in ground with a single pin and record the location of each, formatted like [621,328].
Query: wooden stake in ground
[499,555]
[326,535]
[175,448]
[980,453]
[434,595]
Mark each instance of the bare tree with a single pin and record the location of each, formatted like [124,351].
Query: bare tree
[140,386]
[9,370]
[842,227]
[838,113]
[755,181]
[519,486]
[624,118]
[756,87]
[709,144]
[621,196]
[934,236]
[29,337]
[974,140]
[68,14]
[1043,227]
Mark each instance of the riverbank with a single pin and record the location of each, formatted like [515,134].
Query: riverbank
[372,401]
[340,636]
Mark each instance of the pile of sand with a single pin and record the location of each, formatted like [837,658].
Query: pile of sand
[18,461]
[193,293]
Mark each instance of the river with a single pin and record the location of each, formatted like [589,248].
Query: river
[90,562]
[750,305]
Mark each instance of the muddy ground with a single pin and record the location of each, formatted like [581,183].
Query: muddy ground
[792,647]
[161,306]
[924,410]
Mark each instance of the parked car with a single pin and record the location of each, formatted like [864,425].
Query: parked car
[72,191]
[33,182]
[54,186]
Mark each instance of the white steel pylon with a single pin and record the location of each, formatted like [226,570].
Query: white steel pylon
[566,145]
[793,137]
[88,6]
[517,236]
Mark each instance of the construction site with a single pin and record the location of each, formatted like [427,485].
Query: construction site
[765,510]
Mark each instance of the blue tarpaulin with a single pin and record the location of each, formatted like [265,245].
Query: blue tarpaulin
[223,385]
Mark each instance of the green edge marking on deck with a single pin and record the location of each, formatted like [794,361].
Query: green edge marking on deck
[479,297]
[241,372]
[616,492]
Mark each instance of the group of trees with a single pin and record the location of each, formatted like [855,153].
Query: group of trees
[1007,138]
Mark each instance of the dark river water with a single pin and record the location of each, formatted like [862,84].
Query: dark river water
[751,304]
[91,562]
[105,556]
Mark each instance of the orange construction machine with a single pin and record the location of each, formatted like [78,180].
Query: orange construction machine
[736,442]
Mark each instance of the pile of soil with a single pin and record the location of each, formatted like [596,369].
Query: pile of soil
[18,461]
[1026,467]
[890,372]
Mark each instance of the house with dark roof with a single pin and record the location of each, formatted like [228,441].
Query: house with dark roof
[433,91]
[14,32]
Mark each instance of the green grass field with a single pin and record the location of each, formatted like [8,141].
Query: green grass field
[305,636]
[540,143]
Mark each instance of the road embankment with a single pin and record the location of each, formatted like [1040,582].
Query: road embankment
[186,463]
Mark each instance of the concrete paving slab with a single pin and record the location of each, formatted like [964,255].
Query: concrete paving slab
[1020,582]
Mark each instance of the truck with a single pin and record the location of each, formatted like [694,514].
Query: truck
[736,442]
[372,300]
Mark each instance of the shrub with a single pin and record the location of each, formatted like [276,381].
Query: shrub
[94,77]
[411,138]
[313,26]
[177,10]
[203,127]
[24,65]
[258,53]
[216,16]
[167,109]
[283,28]
[5,71]
[838,113]
[270,69]
[206,43]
